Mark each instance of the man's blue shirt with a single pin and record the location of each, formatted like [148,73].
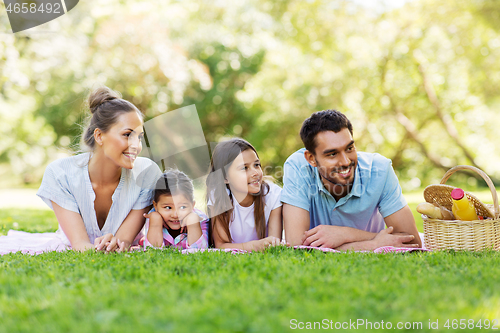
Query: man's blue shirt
[375,193]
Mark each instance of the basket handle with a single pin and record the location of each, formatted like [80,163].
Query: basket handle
[483,175]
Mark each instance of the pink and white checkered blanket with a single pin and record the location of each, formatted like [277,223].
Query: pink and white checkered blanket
[31,243]
[384,249]
[36,243]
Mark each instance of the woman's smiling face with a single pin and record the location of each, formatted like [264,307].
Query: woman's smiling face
[122,142]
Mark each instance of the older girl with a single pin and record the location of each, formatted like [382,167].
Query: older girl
[245,209]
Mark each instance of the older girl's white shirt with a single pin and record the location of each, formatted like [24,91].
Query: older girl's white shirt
[242,225]
[67,183]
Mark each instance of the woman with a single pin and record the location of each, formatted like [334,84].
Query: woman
[98,197]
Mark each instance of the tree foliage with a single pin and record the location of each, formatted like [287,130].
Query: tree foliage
[418,82]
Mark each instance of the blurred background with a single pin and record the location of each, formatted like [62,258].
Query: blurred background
[418,79]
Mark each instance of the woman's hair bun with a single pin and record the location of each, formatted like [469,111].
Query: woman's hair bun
[101,95]
[106,106]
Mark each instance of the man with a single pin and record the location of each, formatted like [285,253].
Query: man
[336,197]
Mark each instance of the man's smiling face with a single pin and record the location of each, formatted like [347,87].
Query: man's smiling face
[336,158]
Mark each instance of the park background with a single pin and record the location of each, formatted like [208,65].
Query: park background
[418,79]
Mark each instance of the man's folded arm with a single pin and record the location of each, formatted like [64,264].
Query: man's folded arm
[331,236]
[296,221]
[403,222]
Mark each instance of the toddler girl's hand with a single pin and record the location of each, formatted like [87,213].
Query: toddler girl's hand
[155,219]
[190,219]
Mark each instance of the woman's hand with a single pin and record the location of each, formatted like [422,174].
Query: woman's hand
[109,243]
[123,246]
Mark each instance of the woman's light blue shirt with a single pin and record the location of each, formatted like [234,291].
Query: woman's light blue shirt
[67,183]
[375,193]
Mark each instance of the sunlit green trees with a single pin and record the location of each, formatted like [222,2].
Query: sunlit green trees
[418,82]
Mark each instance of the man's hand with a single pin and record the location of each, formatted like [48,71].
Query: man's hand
[387,238]
[324,236]
[403,222]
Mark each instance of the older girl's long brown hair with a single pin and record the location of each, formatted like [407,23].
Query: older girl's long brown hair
[222,157]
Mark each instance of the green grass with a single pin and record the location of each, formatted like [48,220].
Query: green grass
[220,292]
[32,220]
[262,292]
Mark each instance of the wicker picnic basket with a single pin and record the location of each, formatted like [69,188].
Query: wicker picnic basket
[462,235]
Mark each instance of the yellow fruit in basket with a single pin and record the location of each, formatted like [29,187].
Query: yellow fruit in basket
[434,211]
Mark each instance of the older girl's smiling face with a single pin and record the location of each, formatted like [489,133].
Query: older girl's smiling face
[244,176]
[122,142]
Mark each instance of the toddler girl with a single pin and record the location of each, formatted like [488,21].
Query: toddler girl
[245,209]
[174,221]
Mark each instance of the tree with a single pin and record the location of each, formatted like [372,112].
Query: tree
[419,82]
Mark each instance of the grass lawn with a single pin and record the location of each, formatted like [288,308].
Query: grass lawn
[32,220]
[272,291]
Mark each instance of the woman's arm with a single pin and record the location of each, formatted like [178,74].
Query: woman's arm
[130,227]
[275,224]
[73,227]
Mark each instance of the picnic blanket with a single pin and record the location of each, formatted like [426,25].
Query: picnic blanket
[37,243]
[32,243]
[384,249]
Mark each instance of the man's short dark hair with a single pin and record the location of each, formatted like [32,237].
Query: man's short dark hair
[326,120]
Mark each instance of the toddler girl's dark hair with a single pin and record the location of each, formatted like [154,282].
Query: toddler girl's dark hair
[173,182]
[222,157]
